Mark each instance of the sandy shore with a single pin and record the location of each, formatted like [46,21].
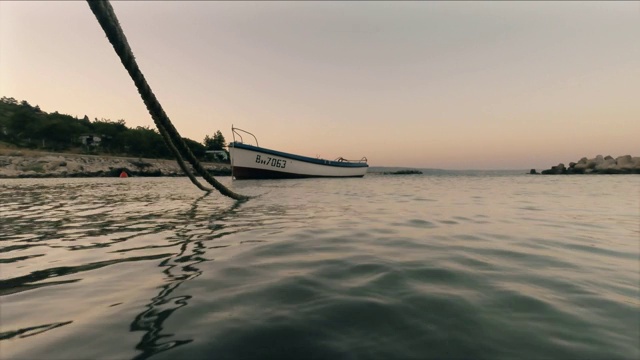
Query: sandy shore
[33,164]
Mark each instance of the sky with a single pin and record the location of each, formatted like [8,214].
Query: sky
[449,85]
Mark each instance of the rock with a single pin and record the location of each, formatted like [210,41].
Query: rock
[533,172]
[599,165]
[560,167]
[403,172]
[581,164]
[591,163]
[606,164]
[625,162]
[54,165]
[50,158]
[71,165]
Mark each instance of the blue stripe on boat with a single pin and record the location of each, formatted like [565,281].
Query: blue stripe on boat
[239,145]
[245,173]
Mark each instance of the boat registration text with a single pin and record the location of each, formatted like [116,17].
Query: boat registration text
[279,163]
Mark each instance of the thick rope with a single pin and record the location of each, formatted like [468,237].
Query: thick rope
[183,166]
[161,128]
[109,22]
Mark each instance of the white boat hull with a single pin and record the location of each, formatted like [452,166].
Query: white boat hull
[252,162]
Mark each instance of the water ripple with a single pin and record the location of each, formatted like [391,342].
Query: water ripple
[375,268]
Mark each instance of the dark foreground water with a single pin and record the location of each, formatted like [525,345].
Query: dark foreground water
[483,266]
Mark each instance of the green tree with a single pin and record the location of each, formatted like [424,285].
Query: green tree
[10,100]
[196,148]
[27,126]
[111,132]
[207,142]
[144,142]
[24,125]
[217,142]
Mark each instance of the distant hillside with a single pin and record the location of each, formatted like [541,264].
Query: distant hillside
[27,126]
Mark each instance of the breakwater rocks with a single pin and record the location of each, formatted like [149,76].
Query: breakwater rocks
[19,165]
[403,172]
[626,164]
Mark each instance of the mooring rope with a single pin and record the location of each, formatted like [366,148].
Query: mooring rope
[105,15]
[183,166]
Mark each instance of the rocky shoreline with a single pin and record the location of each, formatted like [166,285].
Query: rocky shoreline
[19,164]
[626,164]
[57,165]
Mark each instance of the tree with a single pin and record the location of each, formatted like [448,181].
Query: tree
[23,124]
[207,142]
[10,100]
[217,142]
[196,148]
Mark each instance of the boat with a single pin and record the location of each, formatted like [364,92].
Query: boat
[254,162]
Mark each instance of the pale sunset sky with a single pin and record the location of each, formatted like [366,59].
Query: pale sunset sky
[450,85]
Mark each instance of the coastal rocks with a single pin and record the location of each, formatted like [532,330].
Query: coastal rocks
[71,165]
[627,162]
[403,172]
[555,170]
[599,165]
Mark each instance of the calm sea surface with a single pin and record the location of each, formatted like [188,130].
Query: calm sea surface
[459,265]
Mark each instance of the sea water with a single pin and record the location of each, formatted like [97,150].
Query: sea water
[453,265]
